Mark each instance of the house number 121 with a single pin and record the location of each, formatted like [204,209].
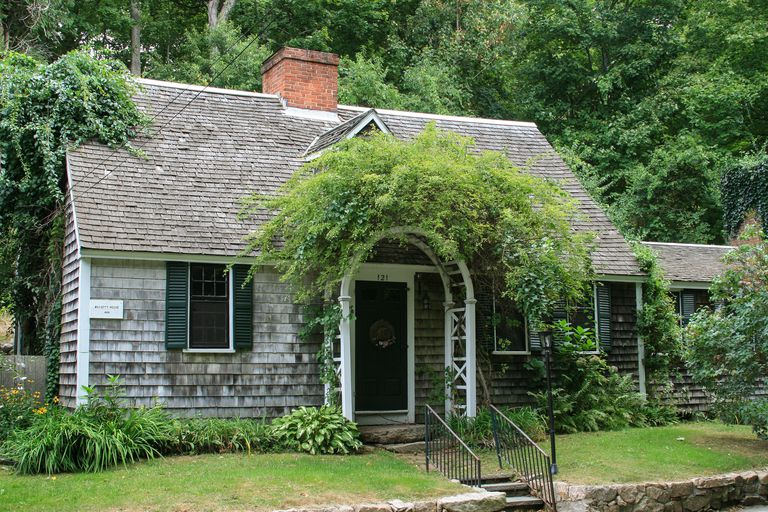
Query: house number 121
[382,277]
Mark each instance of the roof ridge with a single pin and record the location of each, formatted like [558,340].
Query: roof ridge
[443,117]
[681,244]
[205,88]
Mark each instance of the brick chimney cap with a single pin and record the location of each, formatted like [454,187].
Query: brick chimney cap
[286,52]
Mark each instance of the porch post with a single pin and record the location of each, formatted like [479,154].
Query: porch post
[448,364]
[469,319]
[346,358]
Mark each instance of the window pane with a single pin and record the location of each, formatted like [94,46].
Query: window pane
[209,307]
[509,327]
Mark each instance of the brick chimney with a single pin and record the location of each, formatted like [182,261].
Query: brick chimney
[304,78]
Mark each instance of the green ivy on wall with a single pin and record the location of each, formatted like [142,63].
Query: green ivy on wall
[46,110]
[744,190]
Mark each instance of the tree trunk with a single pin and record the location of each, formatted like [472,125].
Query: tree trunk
[136,37]
[216,15]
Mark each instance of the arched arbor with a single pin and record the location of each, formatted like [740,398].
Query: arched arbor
[460,329]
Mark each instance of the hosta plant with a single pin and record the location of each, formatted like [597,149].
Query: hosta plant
[317,430]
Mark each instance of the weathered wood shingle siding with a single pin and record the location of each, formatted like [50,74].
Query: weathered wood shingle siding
[69,312]
[623,353]
[278,374]
[430,346]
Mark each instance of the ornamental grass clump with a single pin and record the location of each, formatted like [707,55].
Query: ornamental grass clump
[317,430]
[215,435]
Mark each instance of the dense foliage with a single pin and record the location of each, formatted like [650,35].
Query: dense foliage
[317,430]
[745,193]
[104,433]
[477,432]
[46,109]
[590,395]
[728,346]
[650,100]
[658,325]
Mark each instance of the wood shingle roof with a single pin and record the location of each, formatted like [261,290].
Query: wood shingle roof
[183,195]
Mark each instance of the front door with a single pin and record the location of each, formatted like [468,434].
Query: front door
[381,346]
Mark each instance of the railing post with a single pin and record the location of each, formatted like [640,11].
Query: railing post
[426,437]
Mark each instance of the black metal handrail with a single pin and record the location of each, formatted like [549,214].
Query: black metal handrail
[446,452]
[531,464]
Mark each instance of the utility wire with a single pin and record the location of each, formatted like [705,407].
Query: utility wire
[165,125]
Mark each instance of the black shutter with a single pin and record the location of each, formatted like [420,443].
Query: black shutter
[603,316]
[687,305]
[243,307]
[534,341]
[176,304]
[560,312]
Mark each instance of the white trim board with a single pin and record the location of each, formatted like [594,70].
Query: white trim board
[83,365]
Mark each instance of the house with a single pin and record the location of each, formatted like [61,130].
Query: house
[690,270]
[146,295]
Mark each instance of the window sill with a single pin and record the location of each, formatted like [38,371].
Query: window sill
[511,353]
[208,351]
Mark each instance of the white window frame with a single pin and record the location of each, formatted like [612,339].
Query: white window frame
[231,314]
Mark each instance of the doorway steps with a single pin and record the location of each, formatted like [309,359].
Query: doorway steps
[518,494]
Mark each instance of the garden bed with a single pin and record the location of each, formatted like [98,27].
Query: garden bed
[228,482]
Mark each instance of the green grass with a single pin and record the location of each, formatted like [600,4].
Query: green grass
[654,454]
[226,483]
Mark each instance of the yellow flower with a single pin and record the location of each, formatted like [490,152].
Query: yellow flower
[55,399]
[15,391]
[41,410]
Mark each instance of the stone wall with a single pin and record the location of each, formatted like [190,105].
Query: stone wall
[698,494]
[479,500]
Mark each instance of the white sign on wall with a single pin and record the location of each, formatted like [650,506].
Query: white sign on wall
[107,309]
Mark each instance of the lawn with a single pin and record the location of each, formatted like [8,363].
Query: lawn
[654,454]
[226,483]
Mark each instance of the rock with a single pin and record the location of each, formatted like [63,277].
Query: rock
[344,508]
[473,502]
[373,507]
[602,494]
[714,481]
[696,503]
[424,506]
[401,506]
[673,506]
[680,489]
[629,493]
[657,493]
[572,506]
[753,500]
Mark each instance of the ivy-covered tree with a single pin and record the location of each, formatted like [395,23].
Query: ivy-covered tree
[46,109]
[728,346]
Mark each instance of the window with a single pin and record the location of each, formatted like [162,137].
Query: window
[509,328]
[687,302]
[208,306]
[583,316]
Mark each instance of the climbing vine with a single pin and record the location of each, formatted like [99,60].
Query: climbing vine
[744,190]
[45,110]
[466,204]
[657,324]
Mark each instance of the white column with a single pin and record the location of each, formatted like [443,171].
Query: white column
[83,330]
[347,407]
[640,343]
[448,364]
[469,319]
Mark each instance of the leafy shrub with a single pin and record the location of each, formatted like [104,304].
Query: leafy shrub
[18,408]
[477,432]
[756,414]
[220,436]
[591,395]
[317,431]
[60,441]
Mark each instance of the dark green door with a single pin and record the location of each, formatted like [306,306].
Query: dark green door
[381,346]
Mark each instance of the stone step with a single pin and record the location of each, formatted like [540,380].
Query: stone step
[495,478]
[511,488]
[391,434]
[518,503]
[417,447]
